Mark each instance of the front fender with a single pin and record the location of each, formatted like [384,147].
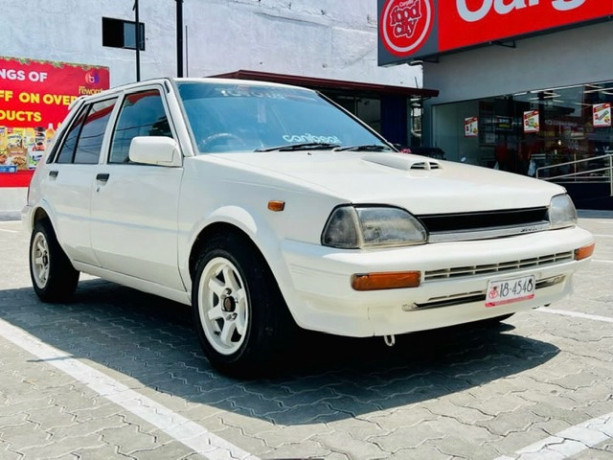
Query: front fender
[254,226]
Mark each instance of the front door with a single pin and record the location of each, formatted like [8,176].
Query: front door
[134,206]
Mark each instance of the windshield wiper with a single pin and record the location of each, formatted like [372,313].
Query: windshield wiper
[364,148]
[303,146]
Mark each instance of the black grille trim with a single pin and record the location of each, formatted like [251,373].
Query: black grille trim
[483,221]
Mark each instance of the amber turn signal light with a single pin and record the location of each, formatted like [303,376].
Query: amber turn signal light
[388,280]
[584,252]
[276,205]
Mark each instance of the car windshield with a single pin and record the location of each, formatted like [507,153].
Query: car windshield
[246,117]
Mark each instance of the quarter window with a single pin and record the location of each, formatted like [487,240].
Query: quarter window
[142,114]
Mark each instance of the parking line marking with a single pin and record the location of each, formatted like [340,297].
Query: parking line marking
[568,442]
[575,314]
[187,432]
[603,261]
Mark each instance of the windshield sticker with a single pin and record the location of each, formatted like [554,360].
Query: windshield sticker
[307,137]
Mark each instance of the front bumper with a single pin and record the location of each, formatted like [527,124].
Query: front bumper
[455,277]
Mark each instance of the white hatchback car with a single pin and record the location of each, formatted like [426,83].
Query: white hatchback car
[266,206]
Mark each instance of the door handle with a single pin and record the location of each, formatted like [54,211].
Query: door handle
[53,173]
[103,177]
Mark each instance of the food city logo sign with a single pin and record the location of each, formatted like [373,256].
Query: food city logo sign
[405,25]
[410,29]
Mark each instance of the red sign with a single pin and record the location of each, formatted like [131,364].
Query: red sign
[405,25]
[464,23]
[410,29]
[602,115]
[34,99]
[531,121]
[37,92]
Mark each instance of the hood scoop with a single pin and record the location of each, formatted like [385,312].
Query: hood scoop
[403,161]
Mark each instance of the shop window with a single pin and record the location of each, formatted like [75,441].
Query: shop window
[561,130]
[118,33]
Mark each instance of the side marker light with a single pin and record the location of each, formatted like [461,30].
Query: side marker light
[276,205]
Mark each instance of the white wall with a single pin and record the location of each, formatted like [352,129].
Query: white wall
[319,38]
[569,57]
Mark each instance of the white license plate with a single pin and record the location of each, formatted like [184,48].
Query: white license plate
[508,291]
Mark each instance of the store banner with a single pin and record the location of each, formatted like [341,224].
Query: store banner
[602,115]
[531,121]
[34,99]
[410,29]
[471,127]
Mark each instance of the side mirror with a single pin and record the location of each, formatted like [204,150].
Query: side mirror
[155,150]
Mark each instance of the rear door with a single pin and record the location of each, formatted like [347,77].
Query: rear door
[71,176]
[134,206]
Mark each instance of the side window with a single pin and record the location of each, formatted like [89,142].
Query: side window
[66,153]
[83,141]
[142,114]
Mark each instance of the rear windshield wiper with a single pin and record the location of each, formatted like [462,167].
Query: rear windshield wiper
[303,146]
[364,148]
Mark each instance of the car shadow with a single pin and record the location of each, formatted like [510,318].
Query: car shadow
[323,378]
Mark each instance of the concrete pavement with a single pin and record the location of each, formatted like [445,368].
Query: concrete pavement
[119,374]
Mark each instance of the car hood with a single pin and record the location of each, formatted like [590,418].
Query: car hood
[419,184]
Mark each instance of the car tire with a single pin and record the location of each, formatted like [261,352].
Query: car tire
[241,318]
[53,277]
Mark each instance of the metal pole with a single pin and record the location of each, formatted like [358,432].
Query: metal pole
[137,39]
[611,173]
[179,38]
[186,52]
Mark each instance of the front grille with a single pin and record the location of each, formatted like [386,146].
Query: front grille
[487,220]
[484,269]
[484,225]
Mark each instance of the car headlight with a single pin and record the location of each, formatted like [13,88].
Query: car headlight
[355,227]
[562,212]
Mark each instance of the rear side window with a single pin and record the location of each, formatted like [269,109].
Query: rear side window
[142,114]
[83,141]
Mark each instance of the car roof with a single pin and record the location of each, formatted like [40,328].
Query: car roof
[169,80]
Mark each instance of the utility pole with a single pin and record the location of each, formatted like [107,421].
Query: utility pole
[137,39]
[179,38]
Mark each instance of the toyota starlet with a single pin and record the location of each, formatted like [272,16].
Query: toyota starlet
[266,208]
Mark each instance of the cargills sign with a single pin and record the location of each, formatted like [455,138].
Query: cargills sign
[412,29]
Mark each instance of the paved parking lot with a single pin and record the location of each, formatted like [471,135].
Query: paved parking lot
[119,374]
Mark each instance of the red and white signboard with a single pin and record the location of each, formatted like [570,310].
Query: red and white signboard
[410,29]
[407,25]
[602,115]
[471,127]
[531,121]
[34,99]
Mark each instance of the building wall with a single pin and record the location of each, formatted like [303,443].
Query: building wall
[314,38]
[318,38]
[569,57]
